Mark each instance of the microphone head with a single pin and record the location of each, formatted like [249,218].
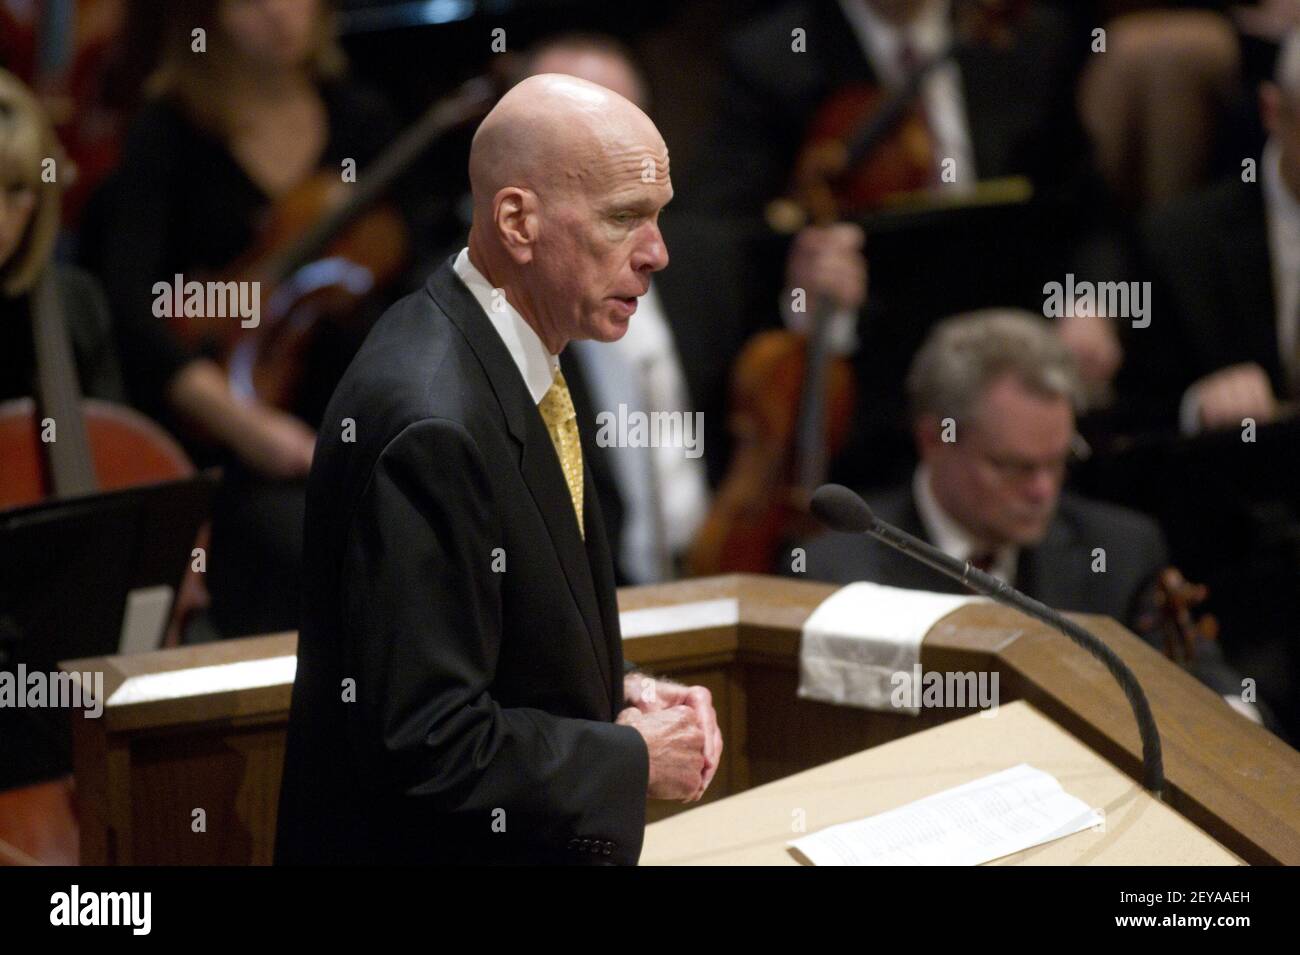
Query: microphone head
[841,510]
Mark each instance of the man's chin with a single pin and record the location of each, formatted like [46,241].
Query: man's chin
[610,329]
[1029,534]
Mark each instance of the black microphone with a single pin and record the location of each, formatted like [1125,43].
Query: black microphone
[842,510]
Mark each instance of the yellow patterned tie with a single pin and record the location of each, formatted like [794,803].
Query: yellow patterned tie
[562,423]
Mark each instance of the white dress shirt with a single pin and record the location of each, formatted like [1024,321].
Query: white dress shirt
[665,493]
[951,537]
[537,365]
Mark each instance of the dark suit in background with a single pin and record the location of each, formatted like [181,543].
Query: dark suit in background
[1231,509]
[1058,571]
[1212,301]
[481,729]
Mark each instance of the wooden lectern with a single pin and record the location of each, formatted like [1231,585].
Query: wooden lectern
[184,765]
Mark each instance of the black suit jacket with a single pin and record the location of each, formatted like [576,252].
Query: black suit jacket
[1058,571]
[447,584]
[1212,302]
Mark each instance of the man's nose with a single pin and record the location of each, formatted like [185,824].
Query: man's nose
[651,254]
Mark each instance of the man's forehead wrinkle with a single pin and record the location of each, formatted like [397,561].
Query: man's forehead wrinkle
[633,164]
[625,162]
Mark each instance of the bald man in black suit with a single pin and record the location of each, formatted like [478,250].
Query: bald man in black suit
[461,694]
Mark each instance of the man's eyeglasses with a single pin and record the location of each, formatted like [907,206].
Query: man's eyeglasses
[1019,470]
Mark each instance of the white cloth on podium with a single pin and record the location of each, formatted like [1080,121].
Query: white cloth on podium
[859,637]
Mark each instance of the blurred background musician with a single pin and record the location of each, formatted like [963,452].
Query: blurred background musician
[1000,110]
[225,134]
[1224,342]
[37,815]
[29,226]
[993,398]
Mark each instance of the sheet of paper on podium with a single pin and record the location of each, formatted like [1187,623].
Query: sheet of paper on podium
[976,822]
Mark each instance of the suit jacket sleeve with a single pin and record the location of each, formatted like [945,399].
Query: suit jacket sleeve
[424,622]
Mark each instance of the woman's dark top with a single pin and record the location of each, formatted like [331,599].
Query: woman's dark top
[180,203]
[86,315]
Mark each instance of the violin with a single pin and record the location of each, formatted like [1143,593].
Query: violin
[1168,617]
[323,248]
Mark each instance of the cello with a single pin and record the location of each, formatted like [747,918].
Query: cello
[97,446]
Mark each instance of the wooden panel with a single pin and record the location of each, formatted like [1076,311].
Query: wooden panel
[204,725]
[232,774]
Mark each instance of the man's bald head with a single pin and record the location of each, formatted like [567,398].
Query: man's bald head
[551,131]
[568,179]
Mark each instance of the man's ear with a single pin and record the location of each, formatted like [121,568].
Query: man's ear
[1270,105]
[516,219]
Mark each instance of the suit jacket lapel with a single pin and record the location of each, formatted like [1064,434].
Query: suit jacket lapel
[844,60]
[538,461]
[913,573]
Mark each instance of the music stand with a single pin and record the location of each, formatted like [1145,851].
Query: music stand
[67,568]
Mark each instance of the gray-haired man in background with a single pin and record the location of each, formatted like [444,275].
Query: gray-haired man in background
[993,397]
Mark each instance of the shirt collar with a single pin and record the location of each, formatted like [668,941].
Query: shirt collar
[536,365]
[948,535]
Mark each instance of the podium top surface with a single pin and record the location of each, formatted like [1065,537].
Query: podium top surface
[752,828]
